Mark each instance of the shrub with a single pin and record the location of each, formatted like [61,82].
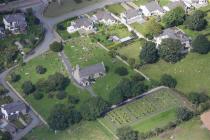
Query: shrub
[40,69]
[73,99]
[201,44]
[184,114]
[61,95]
[60,27]
[197,98]
[122,71]
[38,95]
[126,133]
[3,90]
[137,77]
[28,87]
[168,80]
[14,77]
[56,46]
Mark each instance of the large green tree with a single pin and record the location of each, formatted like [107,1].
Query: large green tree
[201,44]
[152,28]
[149,53]
[168,80]
[126,133]
[170,50]
[174,17]
[196,21]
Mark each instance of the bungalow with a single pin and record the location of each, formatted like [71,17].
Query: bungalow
[132,15]
[86,76]
[172,5]
[2,33]
[12,110]
[104,17]
[83,23]
[174,33]
[16,23]
[152,9]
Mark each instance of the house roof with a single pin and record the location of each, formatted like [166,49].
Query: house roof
[18,19]
[94,69]
[104,15]
[132,13]
[14,106]
[175,4]
[153,6]
[82,22]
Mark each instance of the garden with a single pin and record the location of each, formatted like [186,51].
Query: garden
[116,9]
[158,106]
[83,52]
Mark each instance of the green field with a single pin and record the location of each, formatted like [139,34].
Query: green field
[140,2]
[81,51]
[83,131]
[191,72]
[53,64]
[152,111]
[191,130]
[116,9]
[54,9]
[132,50]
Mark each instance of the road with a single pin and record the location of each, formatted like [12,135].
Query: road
[35,120]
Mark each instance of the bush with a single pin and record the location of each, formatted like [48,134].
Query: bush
[38,95]
[137,77]
[197,98]
[73,99]
[56,46]
[126,133]
[14,77]
[40,69]
[60,95]
[61,27]
[3,90]
[28,87]
[168,80]
[201,44]
[184,114]
[122,71]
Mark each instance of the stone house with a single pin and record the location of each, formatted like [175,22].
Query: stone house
[104,17]
[152,9]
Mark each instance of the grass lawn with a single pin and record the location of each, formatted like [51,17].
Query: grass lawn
[191,130]
[164,2]
[132,50]
[83,52]
[152,111]
[192,73]
[116,9]
[66,6]
[53,64]
[119,30]
[140,2]
[83,131]
[138,27]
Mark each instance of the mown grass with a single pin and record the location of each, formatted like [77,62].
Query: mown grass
[116,9]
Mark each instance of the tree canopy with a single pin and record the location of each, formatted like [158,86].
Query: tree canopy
[168,80]
[152,28]
[56,46]
[174,17]
[28,87]
[149,53]
[184,114]
[126,133]
[170,50]
[201,44]
[197,98]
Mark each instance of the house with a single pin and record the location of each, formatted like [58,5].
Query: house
[132,15]
[86,76]
[12,110]
[2,33]
[83,23]
[152,9]
[16,23]
[196,3]
[104,17]
[174,33]
[173,4]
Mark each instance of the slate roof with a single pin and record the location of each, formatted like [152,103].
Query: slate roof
[18,18]
[104,15]
[175,4]
[82,22]
[91,70]
[153,6]
[132,13]
[14,106]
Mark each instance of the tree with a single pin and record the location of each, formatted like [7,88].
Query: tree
[152,28]
[196,21]
[14,77]
[174,17]
[197,98]
[170,50]
[184,114]
[201,44]
[126,133]
[5,136]
[60,95]
[40,69]
[56,46]
[168,80]
[122,71]
[28,87]
[3,90]
[93,108]
[138,88]
[149,53]
[38,95]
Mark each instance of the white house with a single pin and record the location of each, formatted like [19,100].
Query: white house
[132,15]
[152,9]
[174,33]
[104,17]
[13,109]
[196,3]
[16,23]
[80,24]
[86,76]
[173,4]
